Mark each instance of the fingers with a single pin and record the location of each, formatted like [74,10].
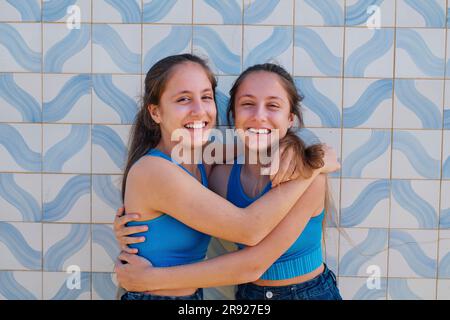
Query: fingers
[131,240]
[119,222]
[129,250]
[120,212]
[126,231]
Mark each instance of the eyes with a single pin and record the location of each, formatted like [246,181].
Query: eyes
[187,99]
[271,105]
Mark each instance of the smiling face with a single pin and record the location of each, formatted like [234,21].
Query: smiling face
[187,103]
[261,107]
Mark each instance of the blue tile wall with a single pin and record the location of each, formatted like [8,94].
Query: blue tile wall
[375,76]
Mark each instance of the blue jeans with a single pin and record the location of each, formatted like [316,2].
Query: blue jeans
[197,295]
[322,287]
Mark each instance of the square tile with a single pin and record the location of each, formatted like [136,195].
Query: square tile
[366,153]
[221,45]
[20,147]
[264,44]
[420,53]
[21,97]
[369,52]
[67,98]
[353,288]
[58,11]
[221,12]
[20,47]
[106,197]
[67,148]
[116,48]
[20,197]
[21,285]
[67,245]
[367,103]
[365,203]
[411,289]
[416,154]
[268,12]
[105,248]
[117,11]
[372,13]
[20,10]
[446,155]
[443,290]
[20,246]
[412,253]
[115,98]
[163,11]
[162,41]
[417,13]
[318,51]
[104,286]
[67,50]
[109,148]
[67,286]
[66,198]
[444,220]
[444,254]
[363,250]
[322,101]
[415,204]
[319,12]
[447,105]
[418,104]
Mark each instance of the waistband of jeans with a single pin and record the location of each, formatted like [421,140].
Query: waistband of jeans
[321,278]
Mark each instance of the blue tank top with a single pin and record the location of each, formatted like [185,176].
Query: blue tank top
[305,254]
[169,242]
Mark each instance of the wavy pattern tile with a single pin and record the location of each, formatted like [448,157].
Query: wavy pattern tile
[19,50]
[320,104]
[11,289]
[364,293]
[129,11]
[366,201]
[67,197]
[355,258]
[358,113]
[425,109]
[444,267]
[416,154]
[218,52]
[399,290]
[431,12]
[360,59]
[415,257]
[64,150]
[69,46]
[258,11]
[108,38]
[30,10]
[358,159]
[105,189]
[229,10]
[57,254]
[416,47]
[356,14]
[124,105]
[104,236]
[13,239]
[177,41]
[331,11]
[65,294]
[104,286]
[156,10]
[111,142]
[72,91]
[412,202]
[21,100]
[54,10]
[311,42]
[19,198]
[222,105]
[14,143]
[277,43]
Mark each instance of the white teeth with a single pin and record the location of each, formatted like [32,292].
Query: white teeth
[259,131]
[196,125]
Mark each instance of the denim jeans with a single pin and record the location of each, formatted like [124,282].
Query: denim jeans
[322,287]
[197,295]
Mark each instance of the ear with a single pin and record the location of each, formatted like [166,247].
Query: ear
[291,119]
[155,113]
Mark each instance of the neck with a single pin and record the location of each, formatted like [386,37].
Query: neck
[184,155]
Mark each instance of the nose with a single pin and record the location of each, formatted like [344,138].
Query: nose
[197,108]
[259,113]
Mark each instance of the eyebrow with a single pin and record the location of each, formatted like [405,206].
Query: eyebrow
[187,91]
[252,96]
